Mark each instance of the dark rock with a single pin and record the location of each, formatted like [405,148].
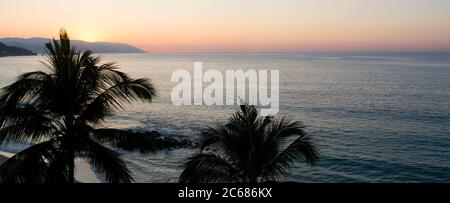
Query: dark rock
[159,141]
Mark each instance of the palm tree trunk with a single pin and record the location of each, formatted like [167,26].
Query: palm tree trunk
[69,123]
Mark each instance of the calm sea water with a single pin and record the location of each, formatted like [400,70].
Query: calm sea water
[376,117]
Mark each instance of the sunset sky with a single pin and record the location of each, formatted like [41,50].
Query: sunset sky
[238,25]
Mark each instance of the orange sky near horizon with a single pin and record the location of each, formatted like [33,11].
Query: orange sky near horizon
[232,25]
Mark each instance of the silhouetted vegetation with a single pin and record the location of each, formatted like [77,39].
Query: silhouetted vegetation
[57,110]
[249,149]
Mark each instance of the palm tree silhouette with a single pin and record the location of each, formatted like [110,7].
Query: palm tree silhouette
[58,110]
[249,149]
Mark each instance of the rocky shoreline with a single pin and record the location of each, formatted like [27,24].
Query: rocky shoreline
[160,142]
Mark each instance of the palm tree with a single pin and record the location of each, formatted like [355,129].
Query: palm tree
[57,110]
[249,149]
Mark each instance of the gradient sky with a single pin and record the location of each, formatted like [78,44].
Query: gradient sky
[238,25]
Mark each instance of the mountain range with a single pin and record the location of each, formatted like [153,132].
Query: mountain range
[37,45]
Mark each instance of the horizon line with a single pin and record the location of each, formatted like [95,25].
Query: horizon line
[244,51]
[274,51]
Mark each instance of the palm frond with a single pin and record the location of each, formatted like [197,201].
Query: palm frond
[213,134]
[301,148]
[112,99]
[29,165]
[25,89]
[106,161]
[284,127]
[208,168]
[25,124]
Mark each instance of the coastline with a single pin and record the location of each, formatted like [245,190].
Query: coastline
[83,171]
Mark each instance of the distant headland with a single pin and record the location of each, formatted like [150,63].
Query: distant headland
[14,51]
[37,45]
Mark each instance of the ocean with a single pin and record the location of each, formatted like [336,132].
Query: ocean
[376,117]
